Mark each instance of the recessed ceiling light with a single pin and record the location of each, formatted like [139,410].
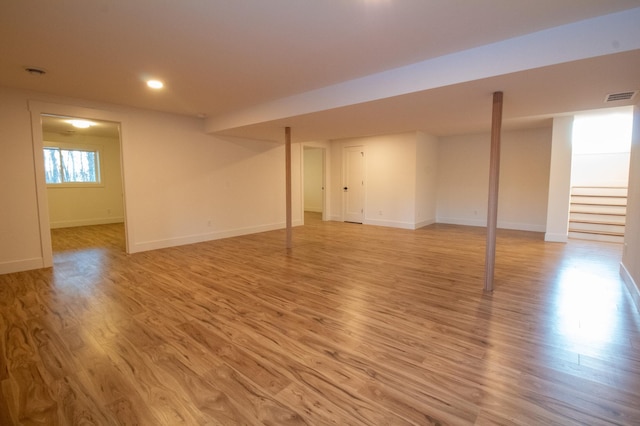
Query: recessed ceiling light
[81,124]
[155,84]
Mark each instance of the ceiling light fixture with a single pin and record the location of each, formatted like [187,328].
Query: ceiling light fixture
[155,84]
[81,124]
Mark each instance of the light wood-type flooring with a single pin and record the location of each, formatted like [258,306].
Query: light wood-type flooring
[356,325]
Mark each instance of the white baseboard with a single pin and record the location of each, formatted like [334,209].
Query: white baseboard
[556,238]
[21,265]
[501,224]
[86,222]
[199,238]
[632,286]
[313,209]
[424,223]
[389,223]
[462,221]
[522,226]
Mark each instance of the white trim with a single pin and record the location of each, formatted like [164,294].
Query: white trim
[37,108]
[521,226]
[556,238]
[461,221]
[86,222]
[200,238]
[21,265]
[424,223]
[313,209]
[632,286]
[483,223]
[392,223]
[42,198]
[389,223]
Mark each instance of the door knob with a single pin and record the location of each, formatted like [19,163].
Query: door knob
[345,188]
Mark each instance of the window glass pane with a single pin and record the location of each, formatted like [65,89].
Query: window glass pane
[71,166]
[52,165]
[78,166]
[602,134]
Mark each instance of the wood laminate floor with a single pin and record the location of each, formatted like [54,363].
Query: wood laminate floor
[356,325]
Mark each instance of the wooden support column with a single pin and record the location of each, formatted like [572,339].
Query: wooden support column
[494,178]
[287,137]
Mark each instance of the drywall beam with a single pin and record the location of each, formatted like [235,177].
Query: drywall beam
[566,43]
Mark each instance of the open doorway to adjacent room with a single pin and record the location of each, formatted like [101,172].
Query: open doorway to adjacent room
[84,186]
[314,183]
[600,175]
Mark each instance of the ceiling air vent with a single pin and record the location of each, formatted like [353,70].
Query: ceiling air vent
[622,96]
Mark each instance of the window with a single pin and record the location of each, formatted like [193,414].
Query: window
[605,133]
[63,165]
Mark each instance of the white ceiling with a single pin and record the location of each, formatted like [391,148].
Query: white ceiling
[62,126]
[222,57]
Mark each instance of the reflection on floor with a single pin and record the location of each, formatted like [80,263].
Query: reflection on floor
[355,325]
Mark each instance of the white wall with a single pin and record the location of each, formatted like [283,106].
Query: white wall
[559,180]
[93,205]
[426,179]
[19,224]
[185,186]
[463,179]
[390,179]
[608,169]
[630,266]
[313,170]
[181,185]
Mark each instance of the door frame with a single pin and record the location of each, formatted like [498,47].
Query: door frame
[37,109]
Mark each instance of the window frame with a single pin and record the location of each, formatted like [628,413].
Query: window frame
[97,149]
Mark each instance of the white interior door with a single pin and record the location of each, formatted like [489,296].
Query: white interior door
[353,185]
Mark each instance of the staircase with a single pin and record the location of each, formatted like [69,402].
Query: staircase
[598,213]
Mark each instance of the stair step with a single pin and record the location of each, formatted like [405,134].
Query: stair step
[610,219]
[599,222]
[599,200]
[596,228]
[597,237]
[615,191]
[598,213]
[598,209]
[595,232]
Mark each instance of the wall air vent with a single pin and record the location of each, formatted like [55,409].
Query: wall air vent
[622,96]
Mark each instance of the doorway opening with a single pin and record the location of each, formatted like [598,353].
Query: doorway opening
[39,112]
[83,177]
[314,200]
[600,175]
